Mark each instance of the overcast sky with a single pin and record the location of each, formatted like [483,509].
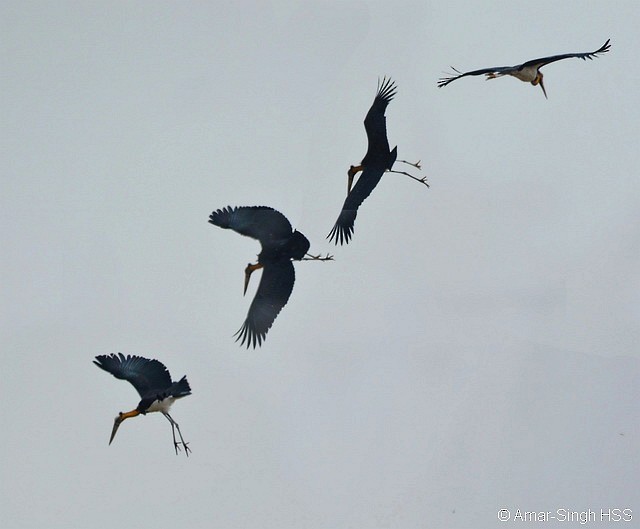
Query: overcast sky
[474,348]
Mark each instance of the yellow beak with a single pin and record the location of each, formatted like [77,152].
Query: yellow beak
[247,274]
[119,420]
[543,90]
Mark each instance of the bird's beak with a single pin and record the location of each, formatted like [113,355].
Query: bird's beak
[353,170]
[247,274]
[119,420]
[350,174]
[541,83]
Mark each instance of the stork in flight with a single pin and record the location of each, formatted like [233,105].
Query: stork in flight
[280,244]
[378,160]
[153,383]
[529,72]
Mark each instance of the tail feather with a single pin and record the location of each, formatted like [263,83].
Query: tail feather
[180,388]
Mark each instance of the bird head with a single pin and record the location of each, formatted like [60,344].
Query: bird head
[538,80]
[119,420]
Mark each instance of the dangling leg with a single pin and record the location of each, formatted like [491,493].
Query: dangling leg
[416,164]
[173,431]
[184,444]
[174,427]
[422,180]
[318,257]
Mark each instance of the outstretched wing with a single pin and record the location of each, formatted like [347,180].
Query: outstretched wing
[375,124]
[584,56]
[444,81]
[276,285]
[343,228]
[144,374]
[504,70]
[258,222]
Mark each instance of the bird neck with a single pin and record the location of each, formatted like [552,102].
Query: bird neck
[129,414]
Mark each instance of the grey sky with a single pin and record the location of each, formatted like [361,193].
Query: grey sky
[474,348]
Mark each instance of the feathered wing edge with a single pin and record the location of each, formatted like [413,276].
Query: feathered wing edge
[584,56]
[342,230]
[143,373]
[258,222]
[274,290]
[375,122]
[444,81]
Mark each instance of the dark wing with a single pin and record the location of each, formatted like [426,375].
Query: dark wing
[375,122]
[584,56]
[144,374]
[444,81]
[259,222]
[276,285]
[343,228]
[535,62]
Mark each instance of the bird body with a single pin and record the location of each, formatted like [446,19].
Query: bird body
[162,400]
[280,244]
[529,72]
[376,161]
[154,385]
[526,74]
[161,404]
[293,247]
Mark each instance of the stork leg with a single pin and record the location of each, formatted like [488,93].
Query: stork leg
[416,164]
[353,170]
[310,257]
[174,427]
[422,180]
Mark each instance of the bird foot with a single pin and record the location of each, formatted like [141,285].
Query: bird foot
[412,164]
[318,257]
[422,180]
[185,446]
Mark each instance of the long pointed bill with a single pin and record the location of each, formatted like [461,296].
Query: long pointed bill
[247,274]
[353,170]
[542,86]
[119,420]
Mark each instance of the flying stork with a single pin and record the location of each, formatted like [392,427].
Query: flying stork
[378,160]
[153,383]
[280,244]
[529,72]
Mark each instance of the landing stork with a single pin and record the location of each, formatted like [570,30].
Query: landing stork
[153,383]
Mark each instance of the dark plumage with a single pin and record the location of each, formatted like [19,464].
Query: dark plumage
[529,71]
[152,382]
[376,161]
[280,244]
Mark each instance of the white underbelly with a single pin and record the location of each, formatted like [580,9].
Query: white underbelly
[161,405]
[527,74]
